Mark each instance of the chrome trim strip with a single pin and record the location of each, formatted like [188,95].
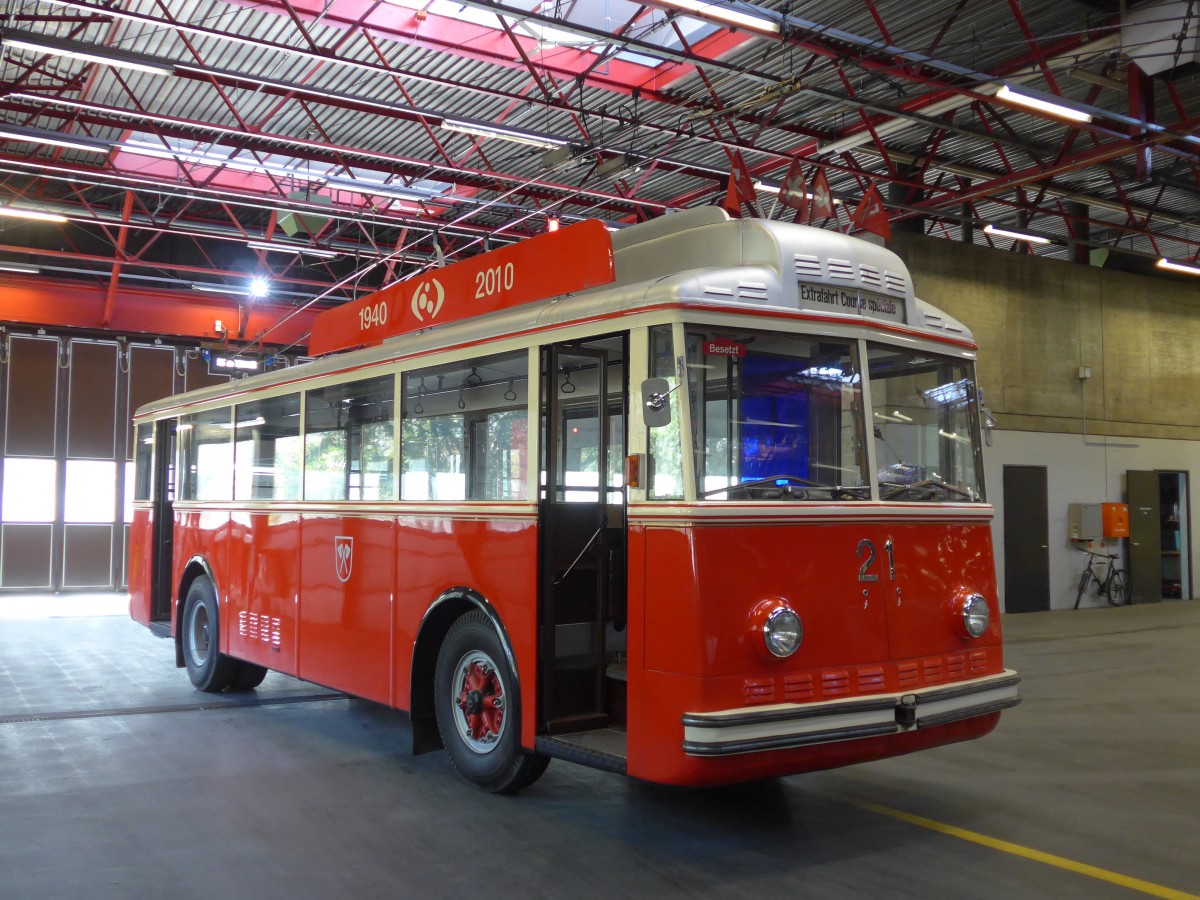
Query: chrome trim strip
[784,725]
[771,512]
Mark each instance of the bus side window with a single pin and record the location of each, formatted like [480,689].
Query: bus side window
[206,455]
[465,430]
[267,449]
[350,441]
[143,456]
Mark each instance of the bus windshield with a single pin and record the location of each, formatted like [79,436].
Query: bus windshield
[776,416]
[924,421]
[781,417]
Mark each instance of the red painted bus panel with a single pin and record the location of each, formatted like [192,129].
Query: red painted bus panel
[137,572]
[571,259]
[496,558]
[259,620]
[201,534]
[347,580]
[935,564]
[860,637]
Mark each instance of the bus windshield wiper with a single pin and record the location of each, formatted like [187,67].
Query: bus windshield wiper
[787,487]
[929,489]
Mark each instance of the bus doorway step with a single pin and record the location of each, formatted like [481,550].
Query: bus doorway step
[603,748]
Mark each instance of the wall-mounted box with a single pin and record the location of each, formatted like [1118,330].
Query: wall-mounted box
[1084,522]
[1093,521]
[1114,518]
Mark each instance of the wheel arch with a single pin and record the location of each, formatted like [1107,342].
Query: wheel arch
[192,569]
[449,606]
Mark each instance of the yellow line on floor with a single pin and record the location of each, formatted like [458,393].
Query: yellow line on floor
[1136,884]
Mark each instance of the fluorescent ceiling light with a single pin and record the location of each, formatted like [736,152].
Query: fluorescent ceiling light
[17,40]
[721,13]
[1165,263]
[22,268]
[497,131]
[1047,106]
[35,214]
[291,248]
[767,188]
[216,288]
[1015,235]
[54,139]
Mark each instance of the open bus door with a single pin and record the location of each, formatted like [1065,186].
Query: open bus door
[161,589]
[582,528]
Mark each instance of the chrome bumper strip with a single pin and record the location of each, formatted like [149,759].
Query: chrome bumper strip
[754,729]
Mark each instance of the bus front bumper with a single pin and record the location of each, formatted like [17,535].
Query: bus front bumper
[780,726]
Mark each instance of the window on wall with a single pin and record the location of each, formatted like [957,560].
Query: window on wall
[267,449]
[350,441]
[465,430]
[206,455]
[30,490]
[91,491]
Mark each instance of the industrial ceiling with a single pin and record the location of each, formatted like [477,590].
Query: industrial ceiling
[335,146]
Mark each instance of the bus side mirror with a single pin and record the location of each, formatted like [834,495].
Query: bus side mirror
[656,402]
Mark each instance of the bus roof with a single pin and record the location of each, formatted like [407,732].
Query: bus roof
[695,258]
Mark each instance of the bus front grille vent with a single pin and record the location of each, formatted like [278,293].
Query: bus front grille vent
[797,688]
[908,675]
[870,681]
[956,667]
[978,662]
[834,684]
[931,671]
[760,690]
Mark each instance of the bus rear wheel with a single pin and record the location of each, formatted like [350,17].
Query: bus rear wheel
[208,668]
[478,713]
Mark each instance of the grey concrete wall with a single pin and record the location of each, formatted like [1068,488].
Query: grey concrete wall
[1038,320]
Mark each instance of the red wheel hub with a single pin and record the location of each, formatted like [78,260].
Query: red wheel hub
[481,701]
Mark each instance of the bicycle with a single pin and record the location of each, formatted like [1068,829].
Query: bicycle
[1114,585]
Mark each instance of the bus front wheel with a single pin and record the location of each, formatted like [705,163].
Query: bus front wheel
[208,668]
[478,712]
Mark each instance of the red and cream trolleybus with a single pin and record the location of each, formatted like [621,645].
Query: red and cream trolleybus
[699,501]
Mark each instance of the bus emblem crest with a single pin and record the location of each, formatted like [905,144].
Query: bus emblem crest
[343,553]
[425,305]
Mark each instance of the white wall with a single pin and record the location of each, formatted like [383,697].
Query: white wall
[1080,470]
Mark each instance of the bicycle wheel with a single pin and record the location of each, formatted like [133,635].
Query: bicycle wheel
[1118,588]
[1083,584]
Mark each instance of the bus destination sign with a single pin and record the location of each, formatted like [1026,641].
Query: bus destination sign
[862,303]
[559,262]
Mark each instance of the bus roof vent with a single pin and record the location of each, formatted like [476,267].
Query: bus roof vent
[870,276]
[713,291]
[841,269]
[808,266]
[895,283]
[752,290]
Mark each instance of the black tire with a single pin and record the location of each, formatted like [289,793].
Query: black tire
[1118,588]
[247,677]
[1083,584]
[209,669]
[479,710]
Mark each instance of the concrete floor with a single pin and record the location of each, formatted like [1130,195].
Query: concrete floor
[118,780]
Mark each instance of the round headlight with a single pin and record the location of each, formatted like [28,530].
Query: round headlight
[976,616]
[782,632]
